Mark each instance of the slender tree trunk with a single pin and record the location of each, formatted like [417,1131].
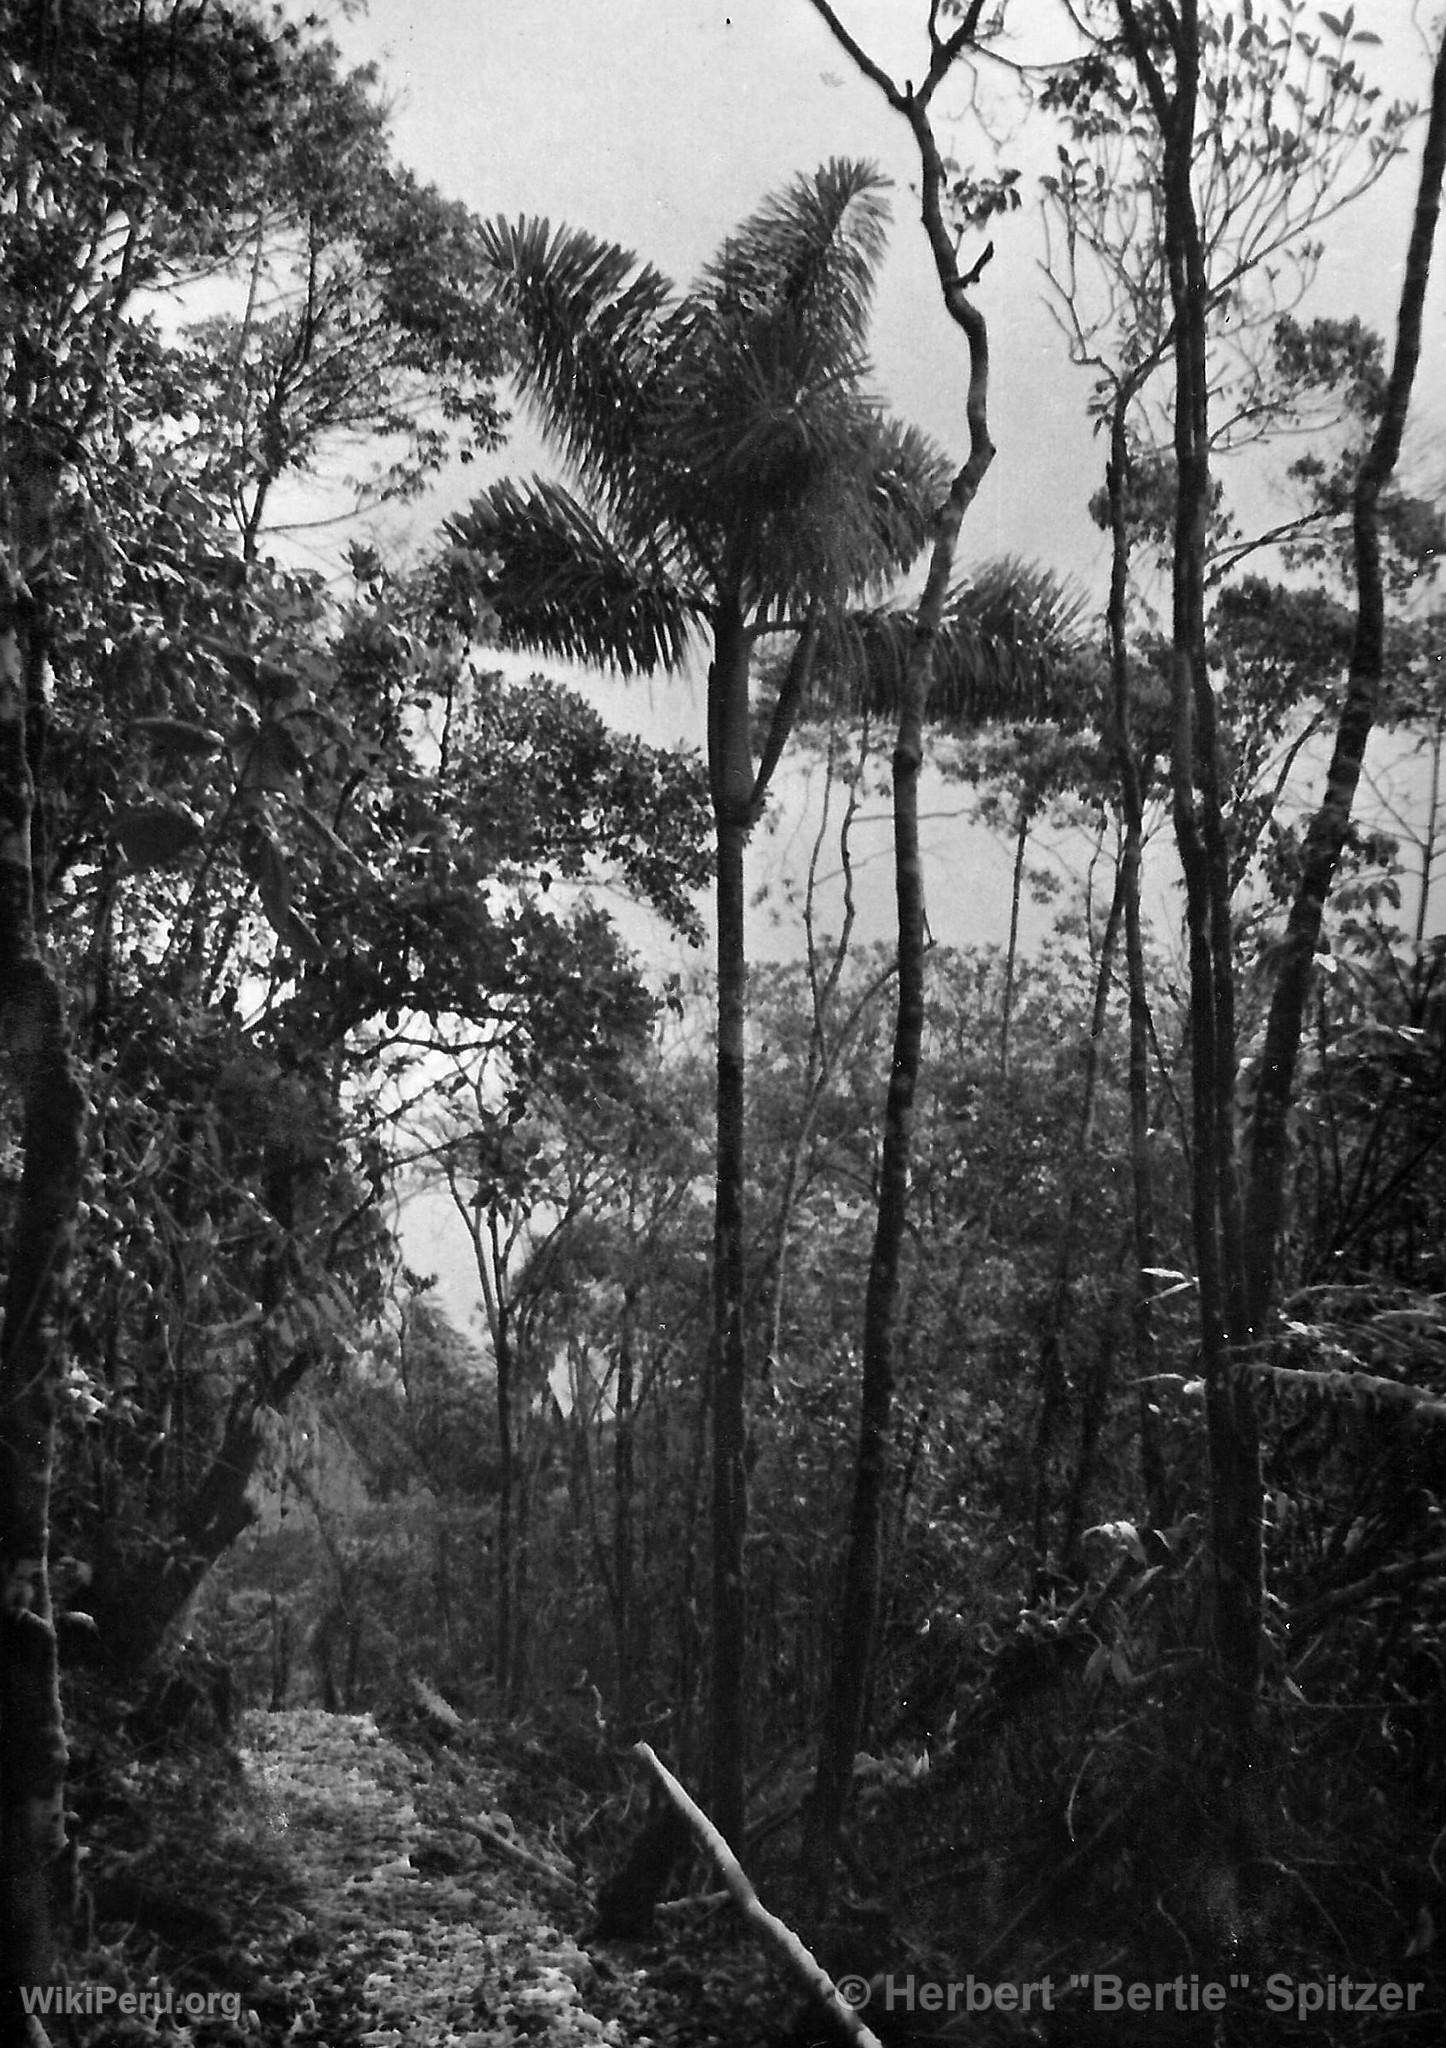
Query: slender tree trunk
[824,1039]
[1428,843]
[738,793]
[853,1646]
[1326,836]
[627,1898]
[36,1042]
[1053,1378]
[624,1541]
[729,1357]
[491,1257]
[520,1651]
[731,766]
[1142,1193]
[1132,803]
[506,1489]
[1011,955]
[1093,1405]
[492,1274]
[858,1609]
[1231,1425]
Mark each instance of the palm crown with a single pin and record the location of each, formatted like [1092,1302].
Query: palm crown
[729,460]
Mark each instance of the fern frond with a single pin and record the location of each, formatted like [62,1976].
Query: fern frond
[1363,1389]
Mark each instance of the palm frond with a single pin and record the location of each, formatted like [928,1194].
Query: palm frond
[805,262]
[770,371]
[856,512]
[744,420]
[908,478]
[1012,646]
[560,583]
[1024,604]
[599,328]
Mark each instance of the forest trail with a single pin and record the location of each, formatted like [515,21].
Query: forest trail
[426,1911]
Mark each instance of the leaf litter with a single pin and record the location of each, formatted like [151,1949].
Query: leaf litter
[441,1935]
[343,1891]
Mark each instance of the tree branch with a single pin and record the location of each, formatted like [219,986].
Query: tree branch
[785,710]
[780,1937]
[1405,1571]
[1144,63]
[860,56]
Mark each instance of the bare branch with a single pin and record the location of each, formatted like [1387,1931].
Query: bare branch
[780,1937]
[860,56]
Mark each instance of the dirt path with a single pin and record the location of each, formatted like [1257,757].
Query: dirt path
[430,1922]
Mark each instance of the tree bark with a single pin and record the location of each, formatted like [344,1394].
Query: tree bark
[1231,1425]
[855,1630]
[1011,951]
[738,792]
[731,779]
[624,1504]
[1054,1388]
[35,1034]
[506,1496]
[1326,836]
[1132,804]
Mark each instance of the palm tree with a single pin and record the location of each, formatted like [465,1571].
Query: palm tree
[733,477]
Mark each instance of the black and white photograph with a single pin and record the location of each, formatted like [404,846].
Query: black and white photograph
[722,1024]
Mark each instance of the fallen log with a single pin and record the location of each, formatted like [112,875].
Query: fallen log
[493,1838]
[801,1962]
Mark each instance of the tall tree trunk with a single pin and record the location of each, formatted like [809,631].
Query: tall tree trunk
[1094,1402]
[853,1646]
[1132,804]
[485,1231]
[626,1633]
[1153,1476]
[1326,836]
[1232,1429]
[519,1658]
[36,1041]
[626,1901]
[858,1607]
[738,794]
[1011,954]
[1053,1377]
[730,762]
[825,1038]
[1428,841]
[506,1495]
